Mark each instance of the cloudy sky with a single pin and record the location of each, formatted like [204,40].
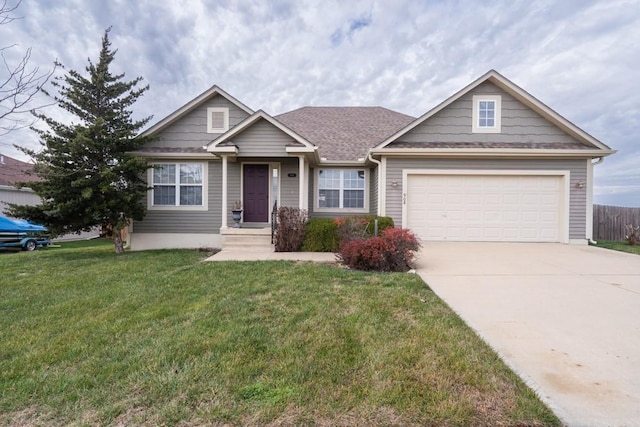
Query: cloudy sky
[580,57]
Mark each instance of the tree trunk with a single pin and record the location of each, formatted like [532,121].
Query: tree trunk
[117,241]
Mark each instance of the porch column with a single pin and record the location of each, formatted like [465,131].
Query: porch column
[301,186]
[223,225]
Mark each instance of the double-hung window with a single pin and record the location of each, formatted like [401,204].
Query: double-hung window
[487,113]
[178,184]
[341,189]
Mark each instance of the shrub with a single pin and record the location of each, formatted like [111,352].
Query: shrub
[632,234]
[290,229]
[321,235]
[360,227]
[392,251]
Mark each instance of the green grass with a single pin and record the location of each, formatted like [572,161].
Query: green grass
[160,338]
[619,246]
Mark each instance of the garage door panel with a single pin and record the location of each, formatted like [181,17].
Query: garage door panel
[485,207]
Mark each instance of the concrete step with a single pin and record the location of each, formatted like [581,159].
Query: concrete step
[248,242]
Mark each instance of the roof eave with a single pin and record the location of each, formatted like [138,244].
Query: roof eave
[227,149]
[490,152]
[163,155]
[189,106]
[260,114]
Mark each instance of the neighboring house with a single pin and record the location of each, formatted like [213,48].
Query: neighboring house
[490,163]
[12,171]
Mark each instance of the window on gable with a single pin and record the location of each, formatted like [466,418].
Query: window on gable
[217,120]
[486,114]
[341,189]
[178,184]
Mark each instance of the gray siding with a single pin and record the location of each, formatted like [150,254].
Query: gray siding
[191,129]
[577,169]
[177,221]
[373,191]
[18,197]
[519,123]
[289,186]
[262,139]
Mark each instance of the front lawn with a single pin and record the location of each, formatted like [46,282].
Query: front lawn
[160,338]
[619,246]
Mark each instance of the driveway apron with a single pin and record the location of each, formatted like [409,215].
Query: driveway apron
[566,318]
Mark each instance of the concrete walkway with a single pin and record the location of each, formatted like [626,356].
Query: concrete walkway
[565,317]
[249,255]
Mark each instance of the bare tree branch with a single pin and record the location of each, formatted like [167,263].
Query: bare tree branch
[19,83]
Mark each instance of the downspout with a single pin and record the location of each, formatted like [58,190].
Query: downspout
[382,190]
[597,162]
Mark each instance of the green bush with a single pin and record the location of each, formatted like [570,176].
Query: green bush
[327,234]
[321,235]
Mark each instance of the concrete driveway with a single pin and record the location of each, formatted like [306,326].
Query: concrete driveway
[564,317]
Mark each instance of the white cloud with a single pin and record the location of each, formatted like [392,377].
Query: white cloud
[580,58]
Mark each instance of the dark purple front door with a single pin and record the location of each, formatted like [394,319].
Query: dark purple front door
[256,193]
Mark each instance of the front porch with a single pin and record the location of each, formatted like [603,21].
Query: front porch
[247,240]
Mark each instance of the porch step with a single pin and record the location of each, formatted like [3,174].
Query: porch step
[247,239]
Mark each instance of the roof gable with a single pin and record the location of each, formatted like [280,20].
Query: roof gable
[224,141]
[192,105]
[344,133]
[581,138]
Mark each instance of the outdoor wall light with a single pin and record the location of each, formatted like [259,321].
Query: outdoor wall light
[580,184]
[394,183]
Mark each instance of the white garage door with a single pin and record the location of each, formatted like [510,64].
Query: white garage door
[501,208]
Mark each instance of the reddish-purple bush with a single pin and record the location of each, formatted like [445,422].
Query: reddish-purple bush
[290,229]
[393,251]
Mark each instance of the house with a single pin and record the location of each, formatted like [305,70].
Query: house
[490,163]
[12,171]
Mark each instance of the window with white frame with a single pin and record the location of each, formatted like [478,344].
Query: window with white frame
[341,189]
[487,111]
[178,184]
[217,120]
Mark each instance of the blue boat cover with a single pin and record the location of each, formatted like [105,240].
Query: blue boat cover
[18,226]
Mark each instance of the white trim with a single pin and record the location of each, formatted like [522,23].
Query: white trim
[529,153]
[225,119]
[382,200]
[367,185]
[496,128]
[381,189]
[589,184]
[205,188]
[273,197]
[563,229]
[301,181]
[169,155]
[225,196]
[271,166]
[12,188]
[146,241]
[213,145]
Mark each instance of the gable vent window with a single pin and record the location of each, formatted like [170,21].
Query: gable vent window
[487,112]
[217,120]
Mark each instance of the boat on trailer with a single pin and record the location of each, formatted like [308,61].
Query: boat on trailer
[21,234]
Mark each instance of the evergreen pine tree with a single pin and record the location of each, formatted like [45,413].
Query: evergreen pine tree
[88,177]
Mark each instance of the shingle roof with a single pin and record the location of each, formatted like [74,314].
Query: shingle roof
[344,133]
[13,170]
